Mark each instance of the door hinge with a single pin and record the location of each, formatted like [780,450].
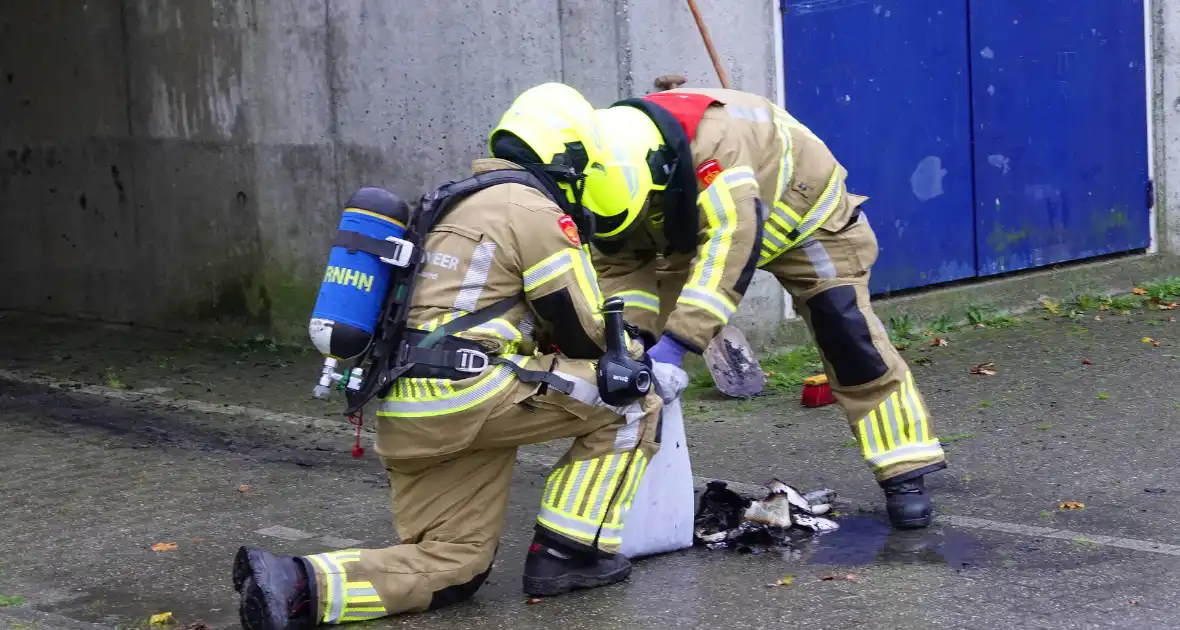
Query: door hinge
[1150,194]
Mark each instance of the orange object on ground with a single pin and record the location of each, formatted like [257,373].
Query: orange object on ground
[817,392]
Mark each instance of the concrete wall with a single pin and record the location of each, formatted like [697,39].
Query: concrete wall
[1164,33]
[181,163]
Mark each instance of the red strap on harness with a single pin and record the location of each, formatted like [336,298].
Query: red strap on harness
[357,420]
[686,107]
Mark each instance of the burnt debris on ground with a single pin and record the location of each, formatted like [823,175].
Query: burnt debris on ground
[784,517]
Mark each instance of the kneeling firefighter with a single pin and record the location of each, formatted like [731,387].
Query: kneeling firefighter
[707,185]
[503,277]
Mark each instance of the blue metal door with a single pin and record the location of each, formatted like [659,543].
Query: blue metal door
[1060,111]
[885,84]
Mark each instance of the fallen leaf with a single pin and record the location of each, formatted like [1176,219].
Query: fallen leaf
[984,369]
[848,577]
[1139,291]
[533,600]
[1104,307]
[939,341]
[1087,362]
[161,618]
[195,626]
[1097,318]
[1154,490]
[786,581]
[1071,505]
[1148,340]
[981,325]
[1155,343]
[1168,307]
[243,488]
[1054,308]
[922,361]
[167,546]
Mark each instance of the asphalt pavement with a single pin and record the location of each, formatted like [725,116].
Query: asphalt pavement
[1079,410]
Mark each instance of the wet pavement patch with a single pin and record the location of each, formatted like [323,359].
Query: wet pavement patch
[865,539]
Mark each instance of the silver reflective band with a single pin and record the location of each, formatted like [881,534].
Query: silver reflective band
[694,293]
[913,451]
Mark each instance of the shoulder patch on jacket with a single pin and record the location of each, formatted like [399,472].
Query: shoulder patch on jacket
[708,171]
[570,229]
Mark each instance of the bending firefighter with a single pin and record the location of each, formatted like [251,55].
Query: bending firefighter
[703,187]
[505,277]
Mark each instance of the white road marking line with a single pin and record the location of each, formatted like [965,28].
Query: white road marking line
[1060,534]
[336,426]
[286,533]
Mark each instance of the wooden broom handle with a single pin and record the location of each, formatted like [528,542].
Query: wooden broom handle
[696,14]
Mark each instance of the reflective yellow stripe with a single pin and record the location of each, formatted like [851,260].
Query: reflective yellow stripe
[499,328]
[786,167]
[614,469]
[333,592]
[588,283]
[876,441]
[362,602]
[865,438]
[361,593]
[928,451]
[549,269]
[897,431]
[640,299]
[917,410]
[881,423]
[721,216]
[592,473]
[893,404]
[421,405]
[630,486]
[576,497]
[720,306]
[788,232]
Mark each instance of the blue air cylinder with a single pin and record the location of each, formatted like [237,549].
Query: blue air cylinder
[356,282]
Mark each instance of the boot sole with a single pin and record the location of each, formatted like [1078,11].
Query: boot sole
[550,587]
[253,611]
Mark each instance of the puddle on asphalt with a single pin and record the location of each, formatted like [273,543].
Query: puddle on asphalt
[864,539]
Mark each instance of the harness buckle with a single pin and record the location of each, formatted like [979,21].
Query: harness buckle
[472,361]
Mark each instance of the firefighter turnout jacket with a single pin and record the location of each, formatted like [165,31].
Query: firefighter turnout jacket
[488,248]
[766,183]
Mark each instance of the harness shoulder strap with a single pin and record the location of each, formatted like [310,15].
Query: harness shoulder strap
[469,321]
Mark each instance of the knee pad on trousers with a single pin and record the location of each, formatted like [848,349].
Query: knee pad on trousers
[461,592]
[843,335]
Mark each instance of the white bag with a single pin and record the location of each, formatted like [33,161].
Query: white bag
[661,516]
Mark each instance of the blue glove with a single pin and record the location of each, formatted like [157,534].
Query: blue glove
[667,350]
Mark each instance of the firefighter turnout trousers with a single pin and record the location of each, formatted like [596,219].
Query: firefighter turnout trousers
[449,510]
[828,277]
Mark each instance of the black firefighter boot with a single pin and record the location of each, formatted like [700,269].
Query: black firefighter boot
[908,503]
[277,592]
[552,568]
